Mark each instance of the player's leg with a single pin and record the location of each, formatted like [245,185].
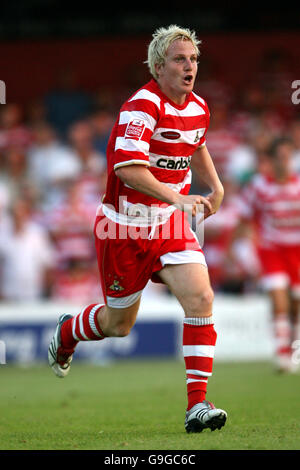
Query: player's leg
[280,307]
[294,270]
[118,321]
[190,284]
[295,317]
[97,322]
[295,329]
[275,282]
[93,323]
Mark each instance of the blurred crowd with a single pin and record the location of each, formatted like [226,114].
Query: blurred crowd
[53,174]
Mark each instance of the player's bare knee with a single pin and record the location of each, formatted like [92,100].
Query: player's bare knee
[118,322]
[123,330]
[119,330]
[200,303]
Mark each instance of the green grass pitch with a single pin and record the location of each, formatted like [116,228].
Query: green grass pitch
[141,405]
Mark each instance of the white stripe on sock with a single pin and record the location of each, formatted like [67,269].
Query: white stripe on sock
[73,329]
[202,350]
[81,329]
[194,372]
[92,321]
[202,373]
[198,321]
[188,381]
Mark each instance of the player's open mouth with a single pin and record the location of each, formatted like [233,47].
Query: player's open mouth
[188,79]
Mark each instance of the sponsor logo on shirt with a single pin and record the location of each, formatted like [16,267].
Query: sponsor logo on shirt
[135,129]
[180,164]
[172,135]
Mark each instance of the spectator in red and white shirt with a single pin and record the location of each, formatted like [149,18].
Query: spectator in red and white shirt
[70,224]
[272,203]
[77,283]
[13,131]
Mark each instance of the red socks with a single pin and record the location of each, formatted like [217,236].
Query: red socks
[199,339]
[282,339]
[82,327]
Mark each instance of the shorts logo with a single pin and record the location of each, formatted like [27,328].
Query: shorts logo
[135,129]
[116,286]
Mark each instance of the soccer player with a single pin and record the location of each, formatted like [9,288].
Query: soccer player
[272,202]
[159,131]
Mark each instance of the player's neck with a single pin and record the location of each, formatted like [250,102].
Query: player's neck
[174,96]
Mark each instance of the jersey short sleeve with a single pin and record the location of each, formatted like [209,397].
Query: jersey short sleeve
[135,126]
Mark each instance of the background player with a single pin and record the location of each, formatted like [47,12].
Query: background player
[157,133]
[272,202]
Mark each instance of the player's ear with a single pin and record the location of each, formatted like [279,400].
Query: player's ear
[158,68]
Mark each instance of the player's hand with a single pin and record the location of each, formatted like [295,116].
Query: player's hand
[193,204]
[215,198]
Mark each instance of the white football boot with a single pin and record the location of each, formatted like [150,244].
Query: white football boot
[204,415]
[59,358]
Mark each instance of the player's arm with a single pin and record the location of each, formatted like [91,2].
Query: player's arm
[204,167]
[141,179]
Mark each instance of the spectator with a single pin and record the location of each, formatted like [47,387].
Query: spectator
[70,224]
[35,113]
[50,163]
[102,122]
[27,255]
[13,131]
[82,147]
[14,175]
[77,283]
[90,184]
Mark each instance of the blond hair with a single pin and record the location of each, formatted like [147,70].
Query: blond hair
[162,38]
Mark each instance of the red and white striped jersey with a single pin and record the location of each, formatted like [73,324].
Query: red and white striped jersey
[154,131]
[275,209]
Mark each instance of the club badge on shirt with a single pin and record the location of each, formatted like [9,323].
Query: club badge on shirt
[135,129]
[197,138]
